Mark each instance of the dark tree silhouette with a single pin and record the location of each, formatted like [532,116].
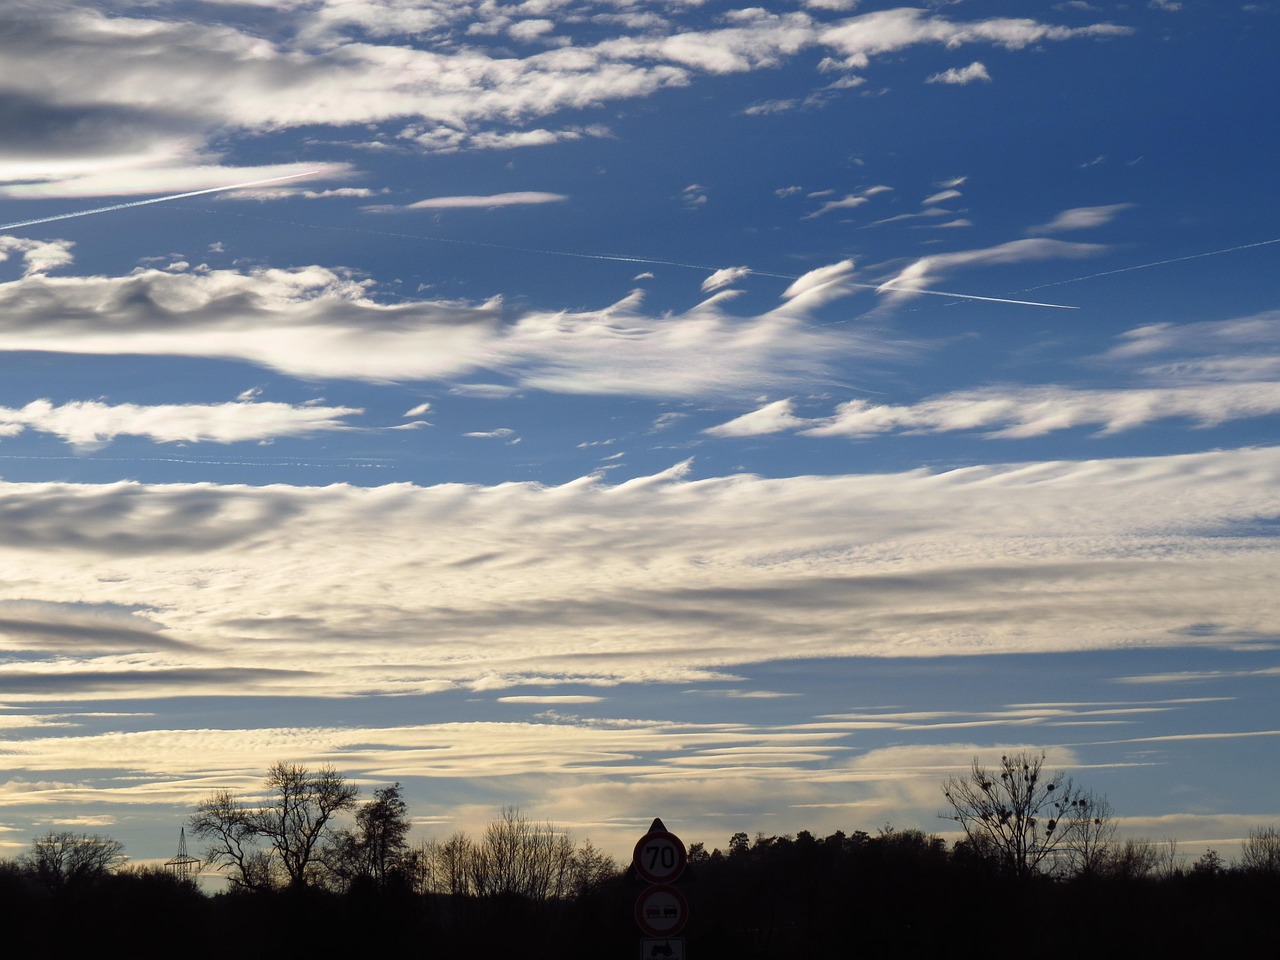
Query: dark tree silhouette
[292,825]
[64,859]
[1017,814]
[230,830]
[375,851]
[1260,853]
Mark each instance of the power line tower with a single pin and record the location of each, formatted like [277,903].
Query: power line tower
[184,866]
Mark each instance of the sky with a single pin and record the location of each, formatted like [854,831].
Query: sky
[618,409]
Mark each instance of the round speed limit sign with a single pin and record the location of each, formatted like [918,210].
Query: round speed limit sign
[659,857]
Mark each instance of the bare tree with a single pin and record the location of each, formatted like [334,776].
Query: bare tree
[1168,864]
[1261,852]
[1089,836]
[302,805]
[230,829]
[65,859]
[1135,858]
[1017,814]
[284,834]
[516,856]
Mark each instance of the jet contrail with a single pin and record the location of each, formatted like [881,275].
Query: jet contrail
[964,296]
[142,203]
[653,261]
[1155,263]
[879,288]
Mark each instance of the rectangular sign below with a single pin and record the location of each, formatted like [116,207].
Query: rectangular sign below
[662,949]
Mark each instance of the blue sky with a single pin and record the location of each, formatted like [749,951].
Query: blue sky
[738,415]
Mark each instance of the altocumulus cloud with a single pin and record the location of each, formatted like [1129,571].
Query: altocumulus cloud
[704,574]
[347,65]
[318,322]
[1208,372]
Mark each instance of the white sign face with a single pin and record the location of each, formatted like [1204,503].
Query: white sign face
[661,911]
[659,857]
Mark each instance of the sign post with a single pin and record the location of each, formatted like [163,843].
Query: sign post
[659,858]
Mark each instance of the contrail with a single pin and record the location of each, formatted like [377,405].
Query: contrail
[143,203]
[965,296]
[879,288]
[1155,263]
[655,262]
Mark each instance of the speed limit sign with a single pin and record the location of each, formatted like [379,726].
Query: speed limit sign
[659,856]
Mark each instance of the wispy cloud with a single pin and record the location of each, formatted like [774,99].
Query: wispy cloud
[92,423]
[1081,218]
[345,66]
[961,76]
[927,271]
[1020,412]
[518,198]
[319,322]
[724,278]
[774,417]
[849,201]
[860,38]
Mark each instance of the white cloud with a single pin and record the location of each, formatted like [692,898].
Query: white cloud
[848,202]
[962,75]
[358,192]
[494,200]
[1209,372]
[91,423]
[1020,412]
[316,322]
[1081,218]
[178,174]
[520,579]
[820,286]
[136,591]
[767,107]
[725,277]
[773,417]
[873,34]
[191,83]
[483,391]
[39,256]
[501,433]
[927,271]
[530,29]
[1244,339]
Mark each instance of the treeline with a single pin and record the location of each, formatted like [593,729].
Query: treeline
[313,872]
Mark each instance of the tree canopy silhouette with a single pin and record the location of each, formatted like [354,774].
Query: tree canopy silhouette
[283,836]
[1020,817]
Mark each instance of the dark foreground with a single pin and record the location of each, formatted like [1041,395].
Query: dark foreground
[807,901]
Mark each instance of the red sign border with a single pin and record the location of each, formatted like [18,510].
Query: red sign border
[637,860]
[684,911]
